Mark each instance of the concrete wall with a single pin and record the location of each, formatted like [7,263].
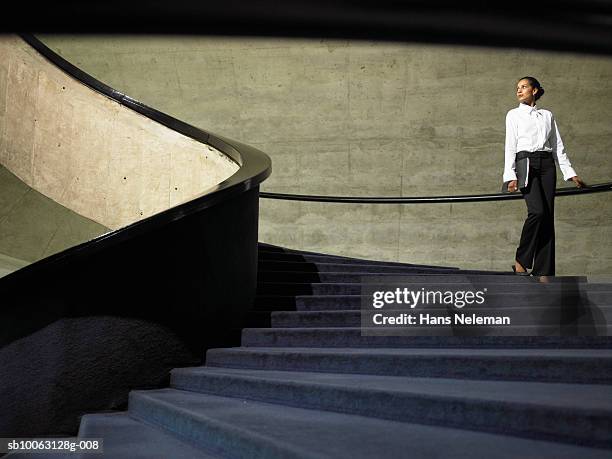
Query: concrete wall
[33,226]
[89,153]
[363,118]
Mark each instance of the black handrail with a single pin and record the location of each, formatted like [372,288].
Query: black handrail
[255,167]
[598,188]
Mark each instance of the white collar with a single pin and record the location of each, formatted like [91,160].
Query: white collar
[529,108]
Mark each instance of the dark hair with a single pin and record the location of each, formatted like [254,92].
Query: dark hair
[536,84]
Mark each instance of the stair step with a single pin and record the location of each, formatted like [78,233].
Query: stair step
[523,299]
[287,319]
[292,288]
[355,288]
[599,317]
[389,334]
[126,437]
[290,257]
[343,277]
[582,413]
[265,251]
[417,274]
[250,429]
[351,337]
[268,251]
[316,267]
[465,279]
[258,319]
[592,366]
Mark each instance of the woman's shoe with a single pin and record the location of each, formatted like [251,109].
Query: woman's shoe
[519,273]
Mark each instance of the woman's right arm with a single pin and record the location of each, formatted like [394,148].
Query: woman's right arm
[510,150]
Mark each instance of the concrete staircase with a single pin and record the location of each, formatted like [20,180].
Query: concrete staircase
[306,383]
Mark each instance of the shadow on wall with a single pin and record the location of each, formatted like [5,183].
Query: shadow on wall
[33,226]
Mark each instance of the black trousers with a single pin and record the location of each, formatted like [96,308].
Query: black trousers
[537,246]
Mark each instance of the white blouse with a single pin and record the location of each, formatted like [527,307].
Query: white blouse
[533,129]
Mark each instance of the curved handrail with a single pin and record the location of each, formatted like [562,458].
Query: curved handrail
[598,188]
[255,167]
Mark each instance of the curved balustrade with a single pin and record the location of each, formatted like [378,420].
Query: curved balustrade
[120,310]
[254,167]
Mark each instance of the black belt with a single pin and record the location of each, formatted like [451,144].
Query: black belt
[533,154]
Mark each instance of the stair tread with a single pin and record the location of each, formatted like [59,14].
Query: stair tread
[550,365]
[497,353]
[500,331]
[431,309]
[320,337]
[519,316]
[273,257]
[509,283]
[518,285]
[508,294]
[267,249]
[591,398]
[126,437]
[291,431]
[310,266]
[455,275]
[354,288]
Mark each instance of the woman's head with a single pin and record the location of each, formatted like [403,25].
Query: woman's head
[528,90]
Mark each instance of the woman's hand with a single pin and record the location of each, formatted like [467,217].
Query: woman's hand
[578,181]
[512,186]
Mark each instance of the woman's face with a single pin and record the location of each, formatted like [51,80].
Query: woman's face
[525,93]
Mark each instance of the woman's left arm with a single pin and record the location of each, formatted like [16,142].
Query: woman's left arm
[559,150]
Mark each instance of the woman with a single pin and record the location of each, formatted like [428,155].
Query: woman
[531,132]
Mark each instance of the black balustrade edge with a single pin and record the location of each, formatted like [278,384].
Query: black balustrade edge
[255,167]
[568,191]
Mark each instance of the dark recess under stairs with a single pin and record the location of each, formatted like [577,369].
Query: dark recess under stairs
[305,383]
